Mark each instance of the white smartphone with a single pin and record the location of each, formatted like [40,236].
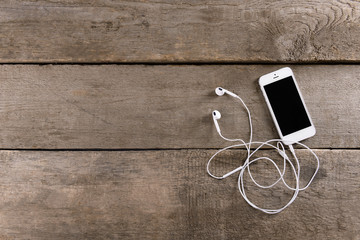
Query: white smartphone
[286,105]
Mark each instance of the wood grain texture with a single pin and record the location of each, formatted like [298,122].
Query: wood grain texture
[146,107]
[168,195]
[179,31]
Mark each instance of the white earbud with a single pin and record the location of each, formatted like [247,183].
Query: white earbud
[216,116]
[220,91]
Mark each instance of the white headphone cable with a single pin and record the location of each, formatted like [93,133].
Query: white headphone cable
[246,165]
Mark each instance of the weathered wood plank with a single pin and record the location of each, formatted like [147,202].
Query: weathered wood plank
[136,106]
[168,195]
[179,31]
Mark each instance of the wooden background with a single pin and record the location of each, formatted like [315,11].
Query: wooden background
[106,127]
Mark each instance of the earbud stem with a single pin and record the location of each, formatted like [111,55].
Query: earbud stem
[231,94]
[217,126]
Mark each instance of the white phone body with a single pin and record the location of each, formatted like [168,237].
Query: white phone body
[287,106]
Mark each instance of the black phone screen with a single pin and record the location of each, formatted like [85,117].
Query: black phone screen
[287,106]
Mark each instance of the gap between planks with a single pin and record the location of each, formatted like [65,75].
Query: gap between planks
[154,149]
[195,63]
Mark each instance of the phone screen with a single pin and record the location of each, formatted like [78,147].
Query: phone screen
[287,106]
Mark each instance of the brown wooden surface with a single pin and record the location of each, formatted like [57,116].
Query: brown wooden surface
[146,107]
[168,195]
[179,31]
[160,189]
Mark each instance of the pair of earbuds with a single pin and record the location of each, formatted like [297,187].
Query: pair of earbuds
[249,160]
[216,114]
